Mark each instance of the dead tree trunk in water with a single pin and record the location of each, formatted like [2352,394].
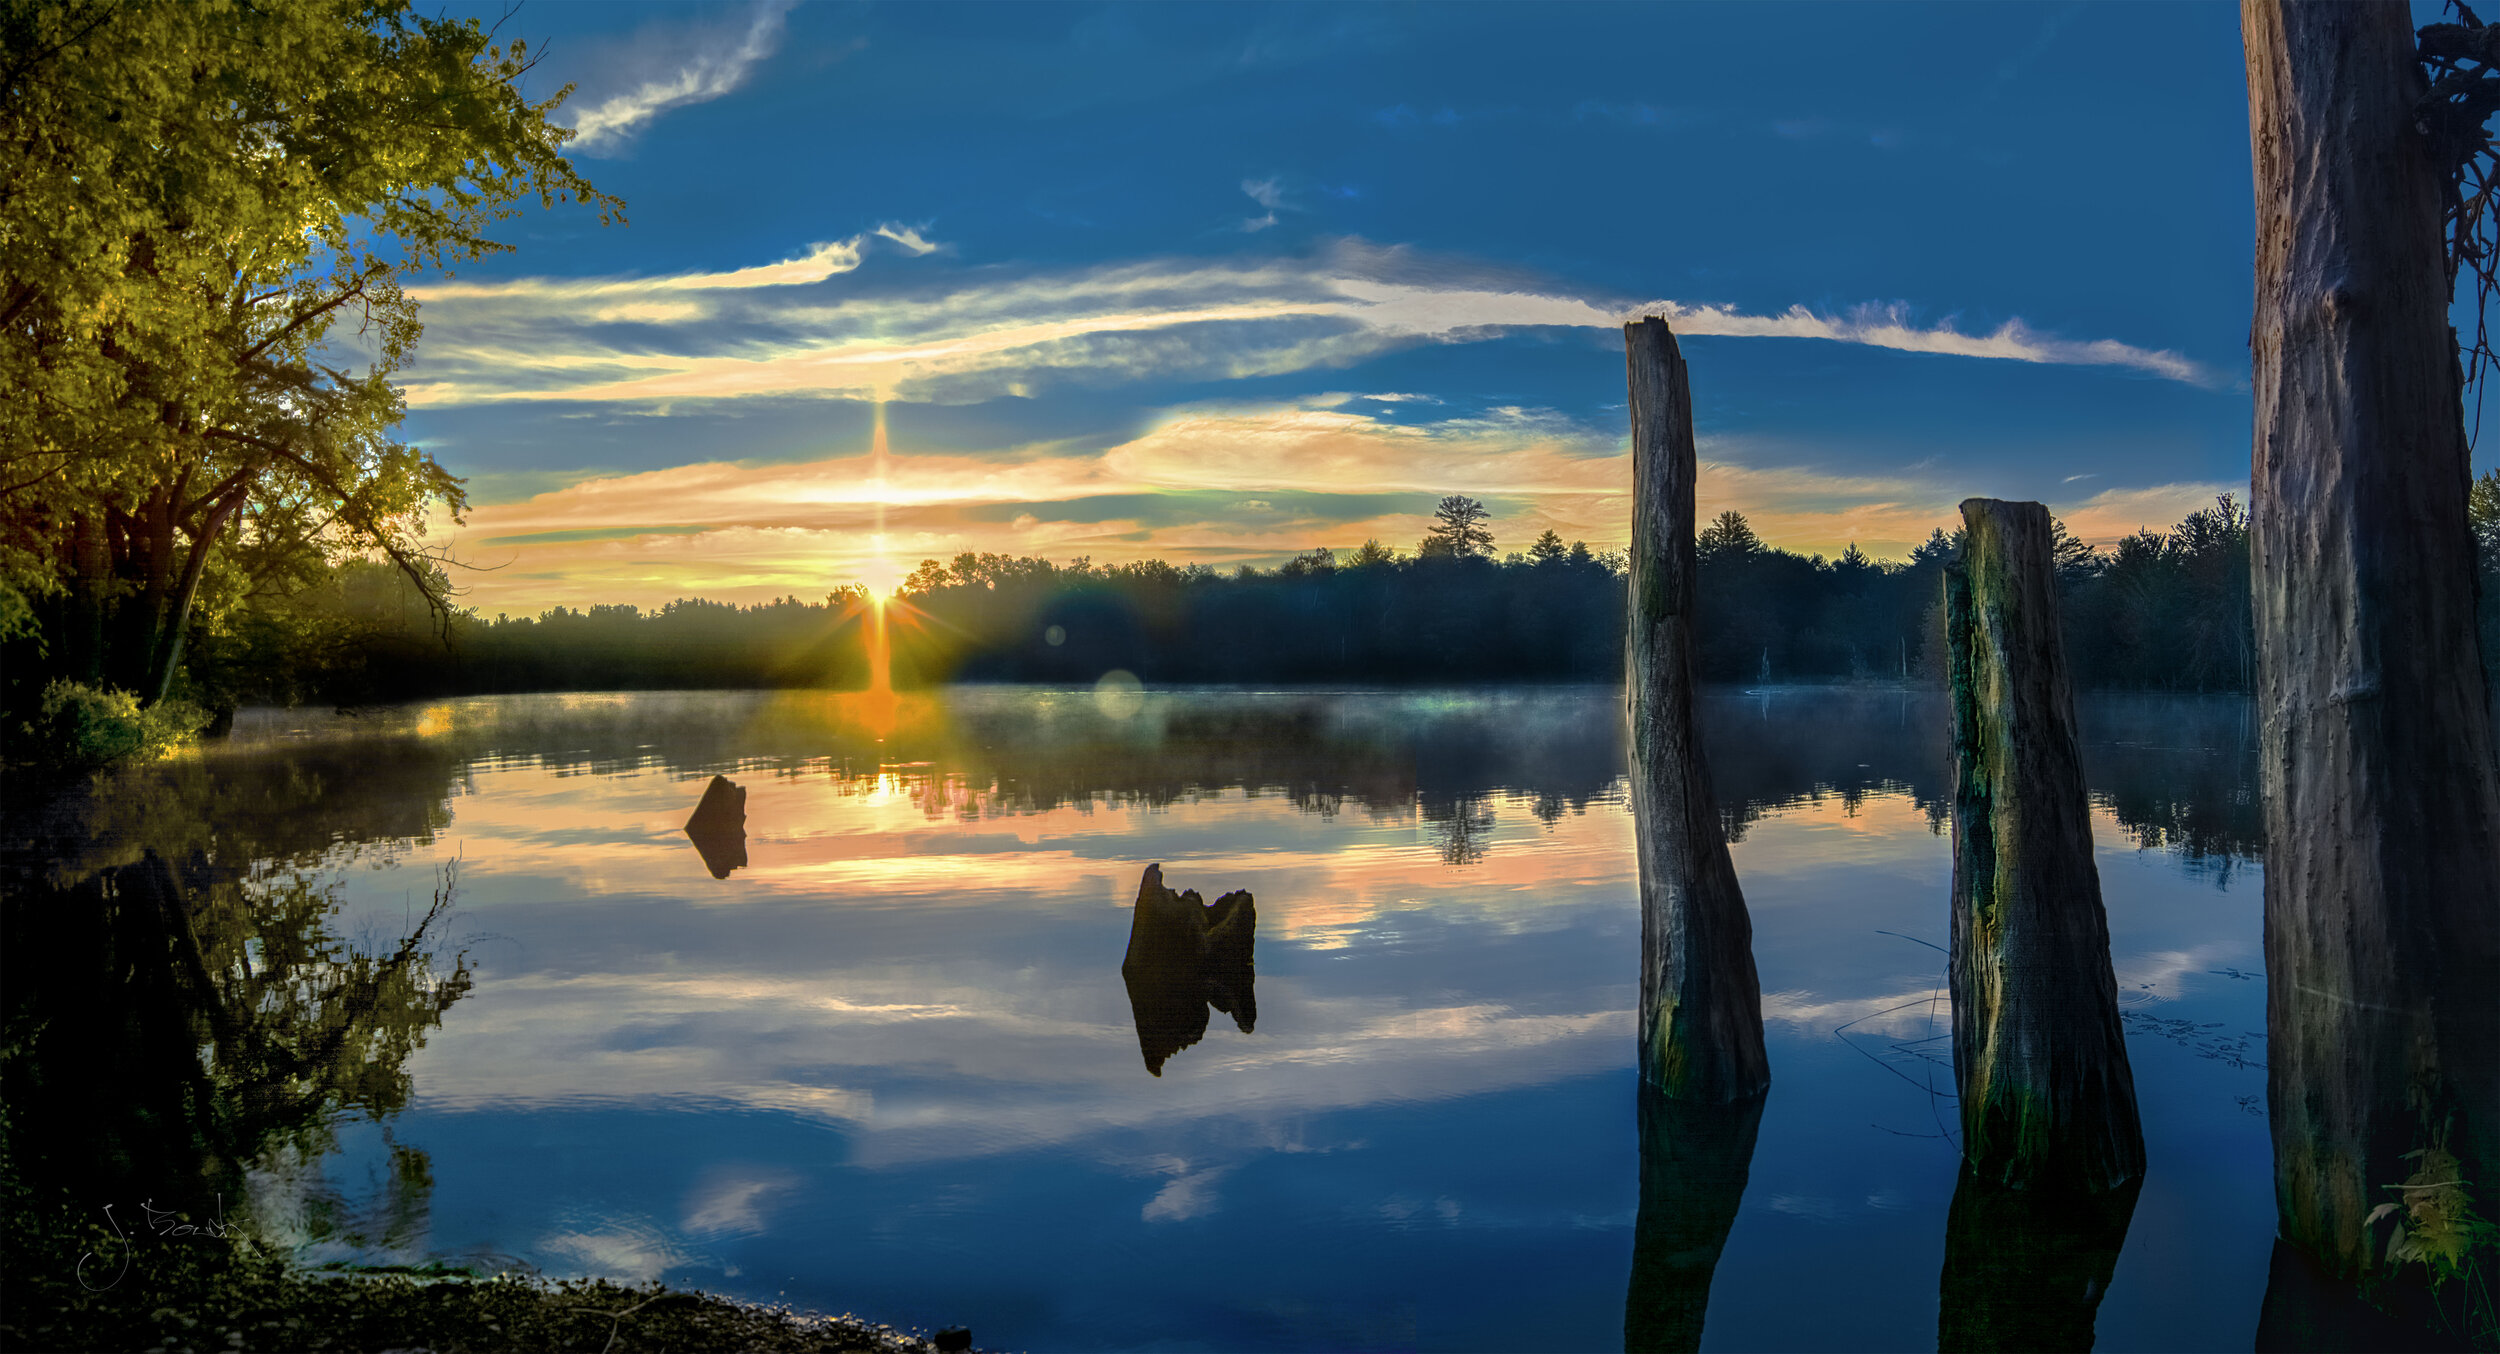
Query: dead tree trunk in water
[2382,808]
[1701,1003]
[2047,1096]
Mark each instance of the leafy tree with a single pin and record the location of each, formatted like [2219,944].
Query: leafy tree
[1938,548]
[1458,529]
[2074,561]
[1310,564]
[1548,549]
[208,211]
[2482,507]
[1729,535]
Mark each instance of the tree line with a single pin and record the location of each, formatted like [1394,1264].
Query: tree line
[2162,610]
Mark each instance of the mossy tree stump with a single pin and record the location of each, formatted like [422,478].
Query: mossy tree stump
[2375,743]
[2047,1096]
[1701,1003]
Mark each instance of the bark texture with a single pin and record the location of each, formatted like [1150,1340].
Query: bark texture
[2047,1096]
[1701,1003]
[2382,807]
[1695,1159]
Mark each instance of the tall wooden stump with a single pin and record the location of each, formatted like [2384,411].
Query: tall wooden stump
[1701,1003]
[2047,1097]
[2382,806]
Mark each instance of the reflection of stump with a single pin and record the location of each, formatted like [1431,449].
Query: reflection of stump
[2037,1047]
[1695,1157]
[2025,1269]
[1701,1003]
[2310,1311]
[719,827]
[1185,955]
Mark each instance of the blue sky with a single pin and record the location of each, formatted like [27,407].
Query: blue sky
[1220,283]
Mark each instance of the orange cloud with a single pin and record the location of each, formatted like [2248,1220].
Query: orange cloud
[1203,485]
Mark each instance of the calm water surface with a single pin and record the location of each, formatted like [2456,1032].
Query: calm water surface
[890,1064]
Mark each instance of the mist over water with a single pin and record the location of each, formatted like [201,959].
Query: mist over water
[889,1062]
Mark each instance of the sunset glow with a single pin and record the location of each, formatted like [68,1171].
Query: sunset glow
[788,383]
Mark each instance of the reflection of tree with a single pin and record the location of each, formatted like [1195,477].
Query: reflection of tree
[2026,1268]
[179,1003]
[2178,772]
[185,1023]
[1695,1159]
[1462,825]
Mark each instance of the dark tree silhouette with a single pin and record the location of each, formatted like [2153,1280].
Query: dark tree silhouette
[1458,529]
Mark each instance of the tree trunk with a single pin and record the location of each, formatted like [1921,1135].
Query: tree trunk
[174,625]
[2047,1096]
[1701,1003]
[2382,805]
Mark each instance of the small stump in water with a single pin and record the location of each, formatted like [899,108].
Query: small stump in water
[1185,956]
[2047,1096]
[718,828]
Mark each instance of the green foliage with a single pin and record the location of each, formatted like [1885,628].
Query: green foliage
[209,209]
[77,728]
[2434,1224]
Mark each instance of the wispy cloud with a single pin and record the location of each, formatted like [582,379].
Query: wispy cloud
[1268,193]
[774,330]
[2106,516]
[719,63]
[1892,327]
[909,237]
[820,262]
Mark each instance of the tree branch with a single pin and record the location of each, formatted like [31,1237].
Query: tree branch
[306,318]
[405,560]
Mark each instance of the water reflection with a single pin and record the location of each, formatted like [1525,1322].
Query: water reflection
[2310,1311]
[718,828]
[1186,955]
[884,1056]
[1695,1159]
[2026,1268]
[182,1028]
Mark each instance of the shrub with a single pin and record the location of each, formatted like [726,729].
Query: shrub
[80,728]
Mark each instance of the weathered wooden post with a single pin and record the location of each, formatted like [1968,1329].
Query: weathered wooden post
[1695,1159]
[2382,805]
[1701,1003]
[2047,1096]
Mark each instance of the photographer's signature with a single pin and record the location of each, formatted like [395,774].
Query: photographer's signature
[163,1224]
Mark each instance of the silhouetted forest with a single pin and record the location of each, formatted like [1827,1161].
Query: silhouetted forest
[2161,611]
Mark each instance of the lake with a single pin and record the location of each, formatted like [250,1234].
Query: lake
[471,995]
